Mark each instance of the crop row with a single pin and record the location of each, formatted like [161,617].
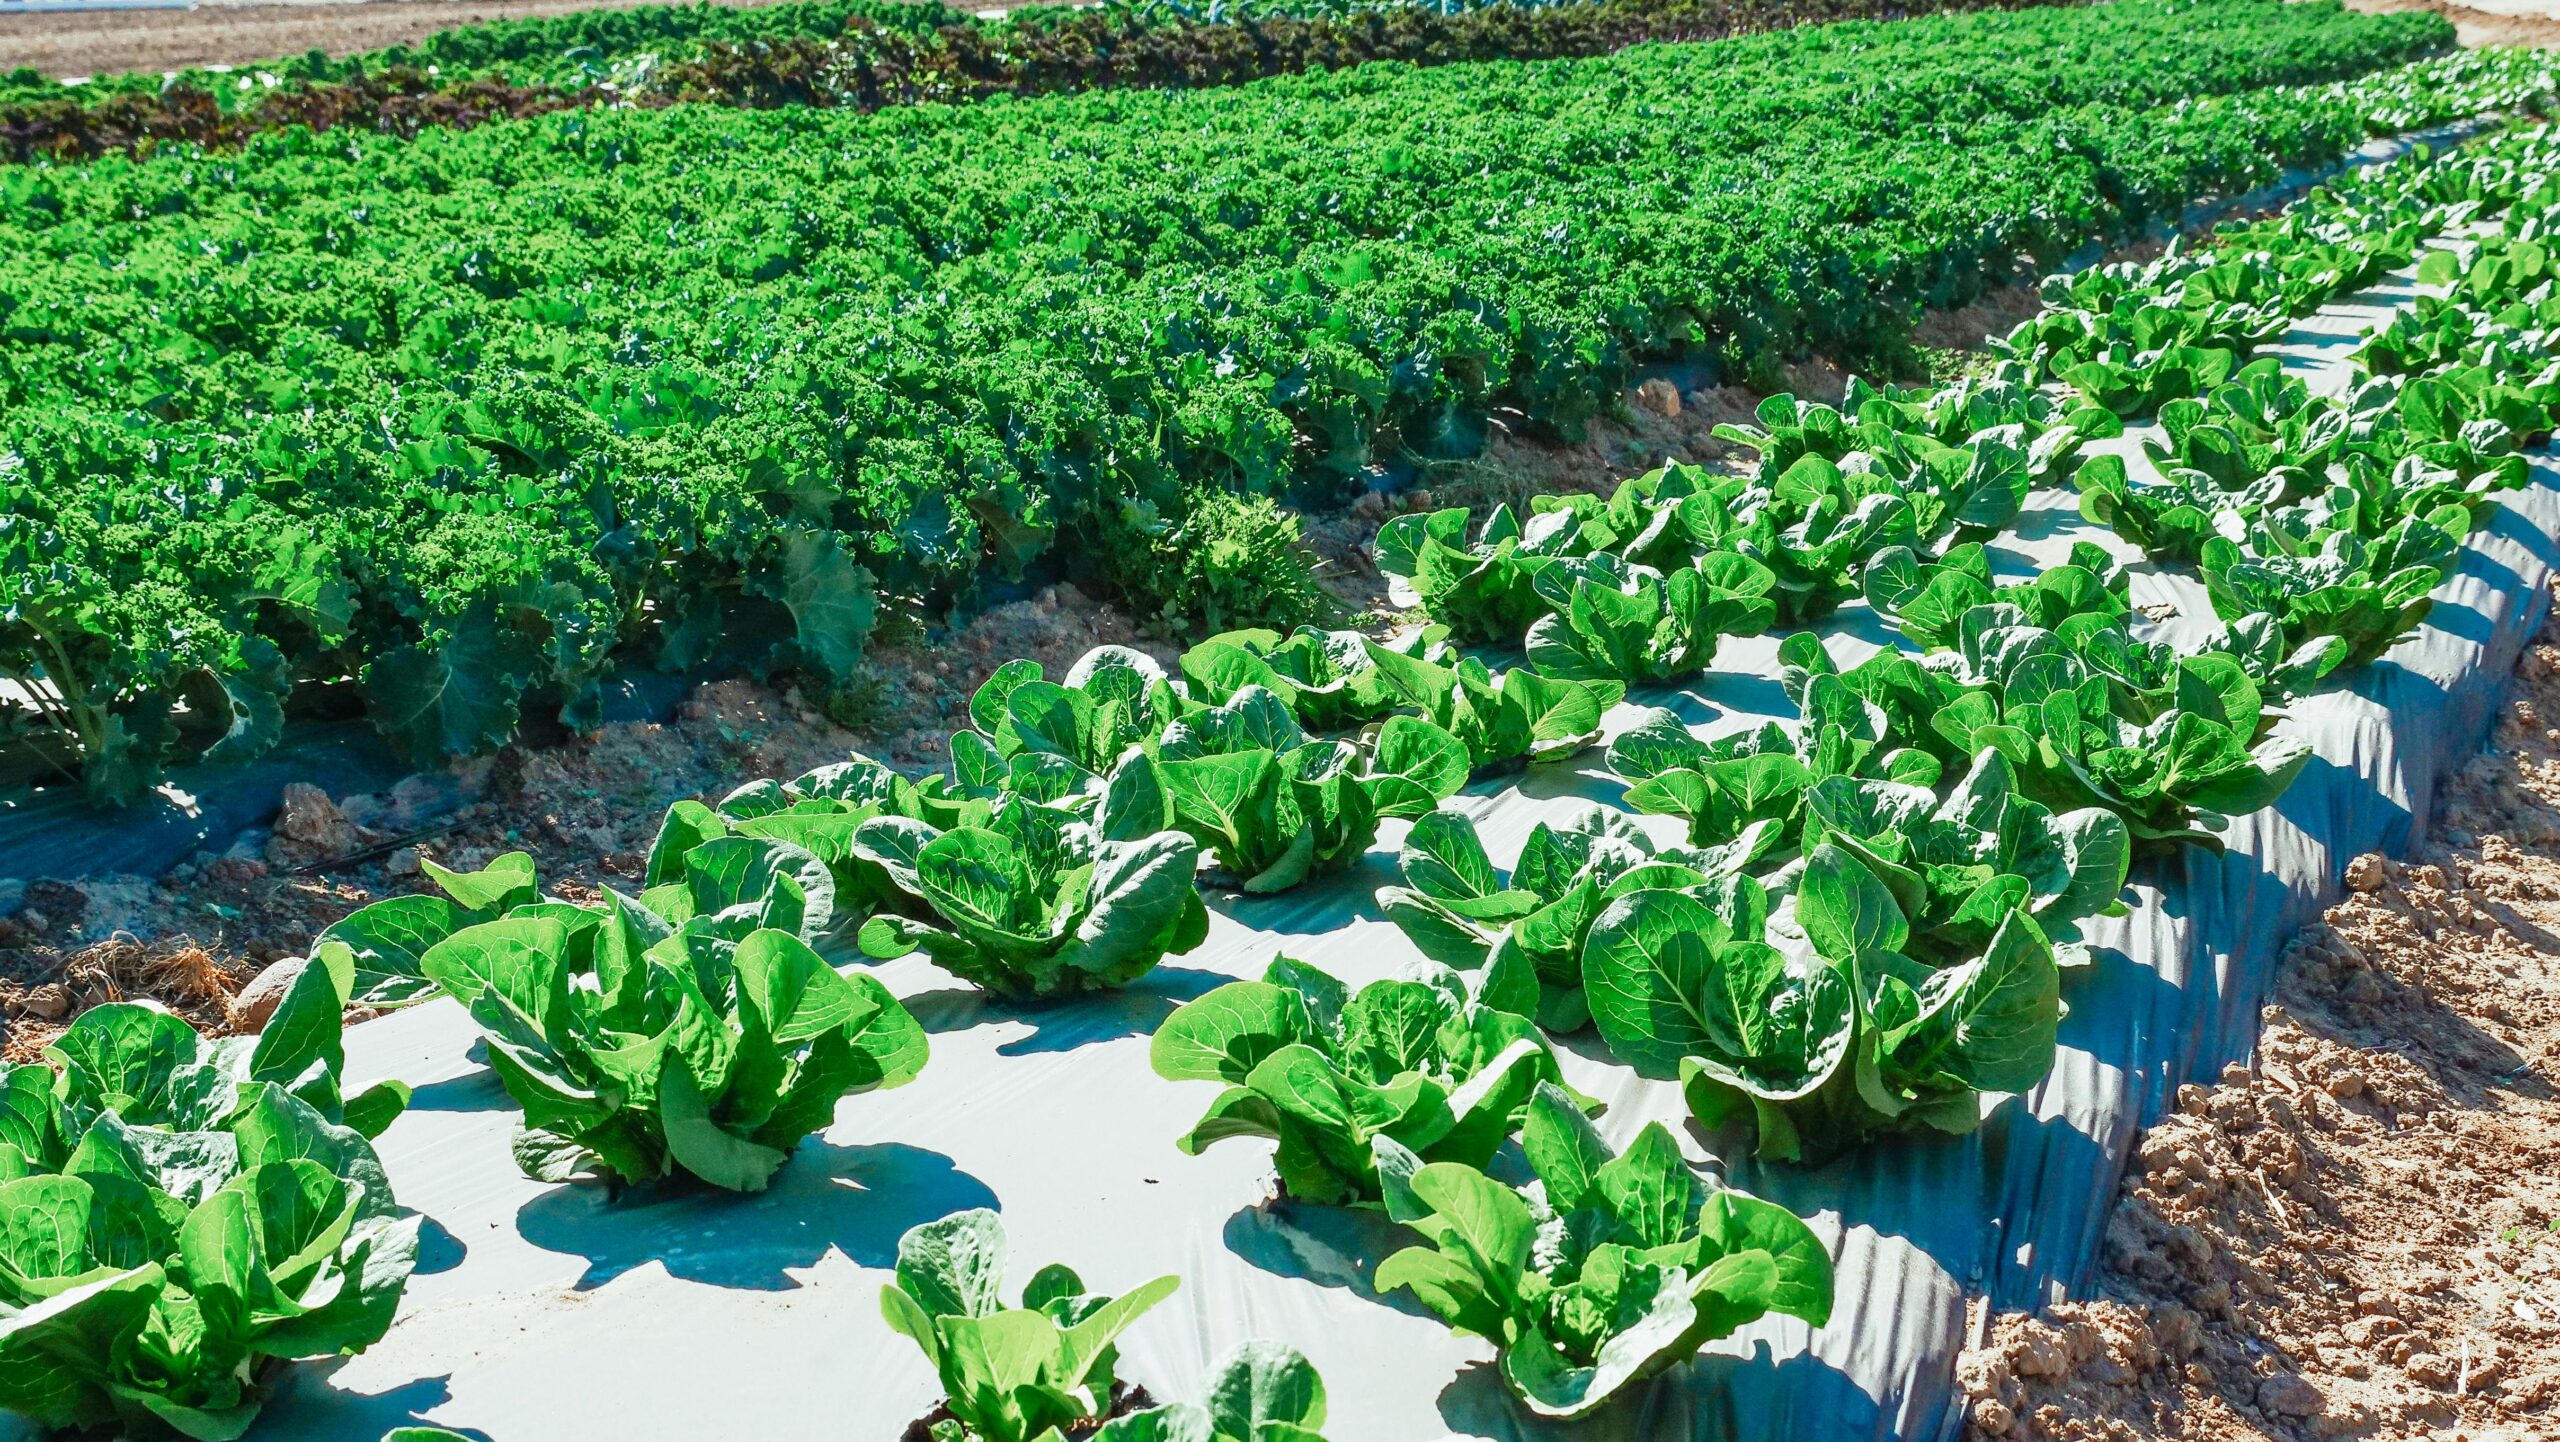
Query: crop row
[857,54]
[1863,928]
[444,428]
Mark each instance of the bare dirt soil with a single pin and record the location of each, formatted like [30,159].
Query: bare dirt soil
[116,41]
[2483,27]
[2360,1236]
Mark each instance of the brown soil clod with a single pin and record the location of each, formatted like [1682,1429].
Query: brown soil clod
[2361,1235]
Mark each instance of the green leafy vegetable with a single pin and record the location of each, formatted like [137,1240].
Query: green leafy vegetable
[1514,716]
[1009,1374]
[1856,1038]
[1460,914]
[1611,1270]
[640,1043]
[1260,1392]
[1432,1066]
[1640,628]
[179,1216]
[1034,905]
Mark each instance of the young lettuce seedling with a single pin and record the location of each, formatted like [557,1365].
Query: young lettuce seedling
[1610,1270]
[1028,1373]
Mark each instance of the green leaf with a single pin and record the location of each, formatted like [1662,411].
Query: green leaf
[701,1145]
[954,1267]
[1260,1384]
[386,940]
[1844,910]
[505,883]
[1224,1034]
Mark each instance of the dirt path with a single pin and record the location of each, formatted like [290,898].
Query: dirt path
[2362,1236]
[114,41]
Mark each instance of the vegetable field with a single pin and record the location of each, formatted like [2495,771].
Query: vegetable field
[453,424]
[1641,988]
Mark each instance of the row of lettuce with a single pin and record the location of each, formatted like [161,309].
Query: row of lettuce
[441,431]
[1863,929]
[859,54]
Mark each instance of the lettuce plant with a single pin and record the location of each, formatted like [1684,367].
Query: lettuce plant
[2261,422]
[2369,498]
[1958,865]
[1459,913]
[1430,1066]
[1963,457]
[1111,699]
[1485,591]
[1639,627]
[1027,1373]
[2131,380]
[2143,677]
[1276,806]
[1969,406]
[1814,527]
[1326,677]
[1925,599]
[818,813]
[1640,522]
[1036,904]
[1260,1392]
[2368,593]
[641,1044]
[179,1216]
[1850,1037]
[1723,787]
[1609,1270]
[2170,519]
[2175,778]
[380,944]
[693,873]
[1516,715]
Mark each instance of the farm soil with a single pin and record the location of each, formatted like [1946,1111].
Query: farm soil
[2483,27]
[2360,1235]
